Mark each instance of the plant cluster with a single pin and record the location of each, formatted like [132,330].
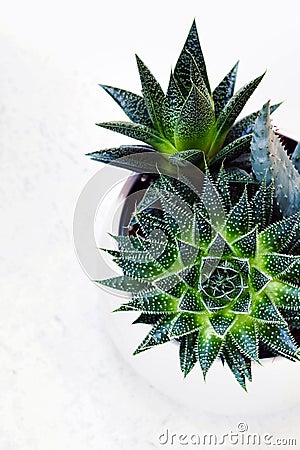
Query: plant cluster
[220,280]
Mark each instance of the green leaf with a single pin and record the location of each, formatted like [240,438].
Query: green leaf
[224,91]
[246,245]
[263,309]
[184,324]
[192,302]
[118,157]
[292,273]
[209,347]
[275,263]
[148,319]
[236,175]
[232,110]
[283,295]
[258,279]
[132,104]
[195,123]
[197,80]
[242,303]
[182,68]
[237,372]
[153,94]
[232,150]
[158,335]
[171,109]
[239,220]
[262,205]
[141,133]
[190,275]
[124,283]
[186,157]
[278,235]
[245,125]
[244,335]
[240,362]
[223,188]
[296,157]
[278,338]
[221,321]
[188,352]
[270,160]
[155,302]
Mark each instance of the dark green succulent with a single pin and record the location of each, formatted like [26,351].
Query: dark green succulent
[188,117]
[218,277]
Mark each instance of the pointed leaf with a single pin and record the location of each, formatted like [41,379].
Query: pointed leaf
[278,338]
[237,362]
[141,133]
[224,91]
[192,302]
[239,220]
[124,283]
[232,150]
[235,369]
[262,205]
[246,245]
[258,279]
[277,236]
[171,109]
[182,68]
[118,157]
[158,335]
[284,295]
[237,175]
[188,352]
[223,188]
[245,125]
[263,309]
[242,303]
[221,321]
[244,334]
[275,263]
[233,109]
[155,302]
[153,94]
[195,123]
[209,347]
[132,104]
[184,324]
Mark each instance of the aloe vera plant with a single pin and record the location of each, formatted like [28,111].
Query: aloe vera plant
[215,304]
[189,116]
[270,159]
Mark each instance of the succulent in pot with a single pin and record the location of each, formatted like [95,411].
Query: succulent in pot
[216,269]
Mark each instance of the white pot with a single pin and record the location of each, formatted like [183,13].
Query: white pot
[275,385]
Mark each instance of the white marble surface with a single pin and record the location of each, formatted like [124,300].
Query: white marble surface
[63,385]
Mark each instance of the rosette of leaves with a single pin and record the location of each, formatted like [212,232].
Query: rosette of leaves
[188,119]
[217,277]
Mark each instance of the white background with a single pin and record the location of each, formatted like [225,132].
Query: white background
[63,385]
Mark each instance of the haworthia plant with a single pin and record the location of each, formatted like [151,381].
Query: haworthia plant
[189,116]
[270,160]
[252,293]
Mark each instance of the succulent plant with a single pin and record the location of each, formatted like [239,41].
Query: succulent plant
[219,278]
[270,160]
[188,117]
